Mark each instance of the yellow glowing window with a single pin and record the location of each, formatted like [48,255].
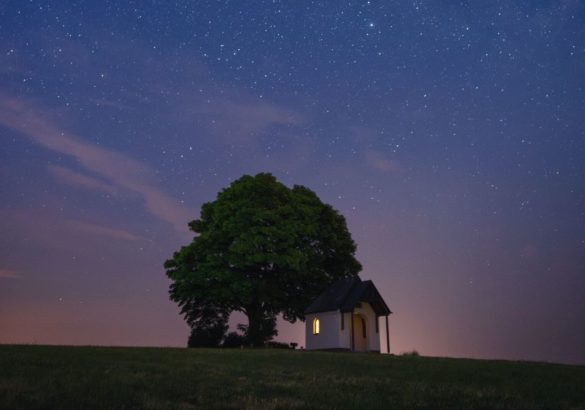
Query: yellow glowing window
[315,326]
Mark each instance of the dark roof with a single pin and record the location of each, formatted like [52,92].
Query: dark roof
[346,293]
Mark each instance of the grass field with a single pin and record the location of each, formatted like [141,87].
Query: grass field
[162,378]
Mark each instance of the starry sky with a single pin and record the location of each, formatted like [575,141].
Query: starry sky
[451,134]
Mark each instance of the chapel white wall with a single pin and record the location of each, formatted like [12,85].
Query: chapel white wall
[331,336]
[328,337]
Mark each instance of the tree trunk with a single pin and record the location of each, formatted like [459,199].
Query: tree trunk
[254,332]
[261,326]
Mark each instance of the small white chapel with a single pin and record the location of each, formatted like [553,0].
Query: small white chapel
[349,315]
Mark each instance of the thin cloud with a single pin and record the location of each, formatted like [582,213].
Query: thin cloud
[118,169]
[231,115]
[68,177]
[9,274]
[103,231]
[243,121]
[59,234]
[381,163]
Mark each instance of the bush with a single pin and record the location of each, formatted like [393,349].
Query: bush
[277,345]
[414,353]
[234,339]
[206,336]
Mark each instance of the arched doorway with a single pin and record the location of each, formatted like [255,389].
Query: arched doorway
[360,333]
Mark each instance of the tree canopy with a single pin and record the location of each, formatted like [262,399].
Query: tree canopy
[263,249]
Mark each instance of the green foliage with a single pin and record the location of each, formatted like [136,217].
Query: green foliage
[234,339]
[261,248]
[278,345]
[208,333]
[208,323]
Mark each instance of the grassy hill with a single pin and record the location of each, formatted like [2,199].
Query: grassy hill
[159,378]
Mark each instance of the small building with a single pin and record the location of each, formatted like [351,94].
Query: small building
[348,316]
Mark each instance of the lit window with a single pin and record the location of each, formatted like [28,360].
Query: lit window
[315,326]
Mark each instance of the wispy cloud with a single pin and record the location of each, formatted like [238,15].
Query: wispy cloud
[382,163]
[365,138]
[228,114]
[58,234]
[9,274]
[68,177]
[238,120]
[119,170]
[103,231]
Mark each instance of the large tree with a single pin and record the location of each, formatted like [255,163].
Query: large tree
[260,248]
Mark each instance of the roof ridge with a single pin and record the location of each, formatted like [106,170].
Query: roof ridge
[350,289]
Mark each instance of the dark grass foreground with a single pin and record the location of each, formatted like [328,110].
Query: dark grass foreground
[115,378]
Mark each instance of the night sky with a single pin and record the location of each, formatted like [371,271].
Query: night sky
[451,135]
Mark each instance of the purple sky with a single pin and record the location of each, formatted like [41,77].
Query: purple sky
[450,134]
